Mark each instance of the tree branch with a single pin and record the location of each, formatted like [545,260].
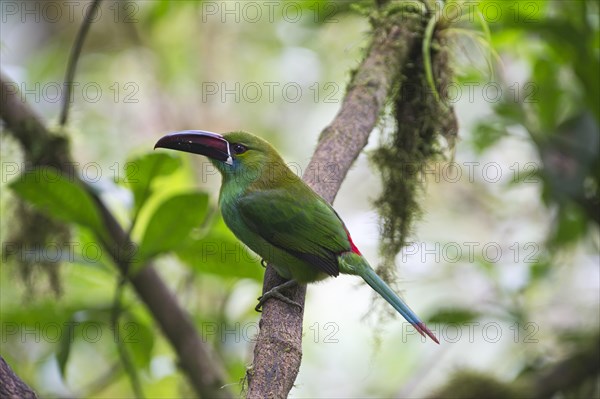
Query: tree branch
[11,386]
[278,351]
[204,371]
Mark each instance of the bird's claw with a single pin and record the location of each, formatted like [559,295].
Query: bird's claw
[263,263]
[275,292]
[278,295]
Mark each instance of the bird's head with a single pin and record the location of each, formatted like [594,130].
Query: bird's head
[233,154]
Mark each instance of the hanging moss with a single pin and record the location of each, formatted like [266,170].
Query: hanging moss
[420,119]
[35,247]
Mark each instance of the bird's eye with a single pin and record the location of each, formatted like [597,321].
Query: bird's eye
[239,148]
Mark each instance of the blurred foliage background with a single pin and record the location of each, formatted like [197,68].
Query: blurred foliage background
[503,262]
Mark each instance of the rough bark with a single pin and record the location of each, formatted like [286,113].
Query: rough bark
[44,148]
[11,386]
[278,350]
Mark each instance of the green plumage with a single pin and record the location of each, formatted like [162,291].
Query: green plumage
[279,217]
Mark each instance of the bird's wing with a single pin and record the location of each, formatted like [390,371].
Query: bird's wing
[303,225]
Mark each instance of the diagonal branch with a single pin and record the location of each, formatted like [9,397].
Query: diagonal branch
[204,370]
[12,386]
[278,351]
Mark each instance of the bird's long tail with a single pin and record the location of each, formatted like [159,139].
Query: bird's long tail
[360,267]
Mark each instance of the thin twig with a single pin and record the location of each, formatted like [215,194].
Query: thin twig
[73,58]
[124,355]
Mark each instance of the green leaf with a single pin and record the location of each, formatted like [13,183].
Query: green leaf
[64,348]
[486,134]
[139,338]
[549,110]
[512,13]
[540,270]
[172,222]
[141,171]
[571,225]
[59,197]
[453,316]
[35,315]
[220,253]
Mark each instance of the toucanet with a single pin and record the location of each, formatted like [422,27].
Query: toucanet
[279,217]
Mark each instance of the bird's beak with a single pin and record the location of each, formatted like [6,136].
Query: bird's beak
[212,145]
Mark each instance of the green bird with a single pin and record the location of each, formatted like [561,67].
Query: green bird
[279,217]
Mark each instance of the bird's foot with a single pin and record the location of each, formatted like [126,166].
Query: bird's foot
[263,263]
[275,292]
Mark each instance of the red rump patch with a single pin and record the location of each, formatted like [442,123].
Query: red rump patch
[352,246]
